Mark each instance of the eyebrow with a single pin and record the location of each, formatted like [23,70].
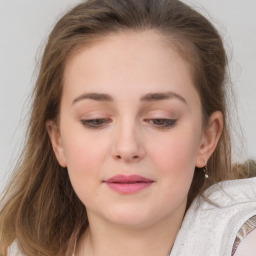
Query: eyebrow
[149,97]
[93,96]
[162,96]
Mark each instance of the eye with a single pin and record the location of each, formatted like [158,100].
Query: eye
[162,122]
[95,123]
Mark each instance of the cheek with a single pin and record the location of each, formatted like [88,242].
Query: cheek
[175,155]
[84,156]
[174,161]
[83,149]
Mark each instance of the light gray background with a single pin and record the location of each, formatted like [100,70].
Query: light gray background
[24,26]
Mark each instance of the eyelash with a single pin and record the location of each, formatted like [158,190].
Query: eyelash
[162,123]
[98,123]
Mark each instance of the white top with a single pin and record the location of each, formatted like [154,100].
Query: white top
[211,230]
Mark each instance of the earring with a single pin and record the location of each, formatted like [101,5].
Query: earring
[205,172]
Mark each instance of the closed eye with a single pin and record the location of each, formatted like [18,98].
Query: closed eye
[162,123]
[95,123]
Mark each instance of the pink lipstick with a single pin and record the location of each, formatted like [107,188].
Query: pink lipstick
[128,184]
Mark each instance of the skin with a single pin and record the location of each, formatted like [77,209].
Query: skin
[131,136]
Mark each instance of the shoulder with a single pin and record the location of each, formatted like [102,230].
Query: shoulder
[232,191]
[216,216]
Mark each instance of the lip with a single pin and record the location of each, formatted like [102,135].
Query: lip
[128,184]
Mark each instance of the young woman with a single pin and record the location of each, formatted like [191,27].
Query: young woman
[128,149]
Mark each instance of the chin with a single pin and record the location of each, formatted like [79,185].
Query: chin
[132,217]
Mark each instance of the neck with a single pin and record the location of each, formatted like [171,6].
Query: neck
[114,240]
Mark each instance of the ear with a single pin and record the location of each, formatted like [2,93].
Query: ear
[210,138]
[55,138]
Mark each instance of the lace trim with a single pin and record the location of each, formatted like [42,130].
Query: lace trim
[248,227]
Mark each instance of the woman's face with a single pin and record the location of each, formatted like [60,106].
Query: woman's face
[130,130]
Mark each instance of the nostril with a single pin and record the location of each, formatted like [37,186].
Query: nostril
[123,157]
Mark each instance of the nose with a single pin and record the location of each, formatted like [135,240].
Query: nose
[128,146]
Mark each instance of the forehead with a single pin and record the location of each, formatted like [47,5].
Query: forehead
[129,62]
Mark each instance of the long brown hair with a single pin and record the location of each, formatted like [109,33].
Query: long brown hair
[40,209]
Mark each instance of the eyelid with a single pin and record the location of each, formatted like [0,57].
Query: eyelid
[94,115]
[161,123]
[163,119]
[161,114]
[95,123]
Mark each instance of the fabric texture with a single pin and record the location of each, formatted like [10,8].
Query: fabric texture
[212,223]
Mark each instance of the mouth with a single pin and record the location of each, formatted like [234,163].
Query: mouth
[131,184]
